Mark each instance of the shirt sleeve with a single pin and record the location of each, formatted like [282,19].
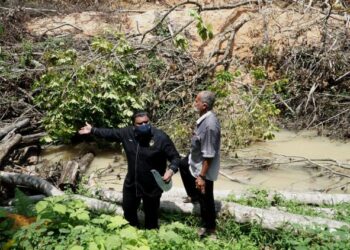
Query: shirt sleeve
[108,133]
[172,155]
[208,143]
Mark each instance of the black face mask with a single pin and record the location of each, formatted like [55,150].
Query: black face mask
[143,132]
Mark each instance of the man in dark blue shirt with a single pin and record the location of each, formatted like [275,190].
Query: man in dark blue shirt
[146,148]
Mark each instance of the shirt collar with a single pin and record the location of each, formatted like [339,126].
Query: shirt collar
[203,117]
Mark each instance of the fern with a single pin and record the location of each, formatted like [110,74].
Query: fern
[23,205]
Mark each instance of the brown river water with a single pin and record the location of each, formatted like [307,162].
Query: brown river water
[287,145]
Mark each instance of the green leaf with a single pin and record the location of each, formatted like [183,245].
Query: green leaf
[83,216]
[41,206]
[129,233]
[76,247]
[59,208]
[116,222]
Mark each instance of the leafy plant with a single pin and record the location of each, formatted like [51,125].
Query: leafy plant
[204,30]
[103,91]
[181,42]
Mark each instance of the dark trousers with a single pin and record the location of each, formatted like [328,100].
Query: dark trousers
[206,200]
[131,203]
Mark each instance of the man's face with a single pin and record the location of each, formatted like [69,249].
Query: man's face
[140,120]
[199,105]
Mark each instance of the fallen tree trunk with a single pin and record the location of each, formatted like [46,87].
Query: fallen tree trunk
[71,170]
[7,146]
[30,181]
[4,131]
[85,162]
[268,218]
[315,198]
[69,175]
[32,139]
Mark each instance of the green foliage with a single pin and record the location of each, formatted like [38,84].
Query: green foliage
[263,54]
[162,29]
[27,54]
[59,58]
[23,205]
[102,91]
[63,223]
[204,30]
[180,42]
[248,112]
[259,73]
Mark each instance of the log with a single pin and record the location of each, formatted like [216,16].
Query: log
[6,146]
[32,139]
[312,198]
[33,198]
[315,198]
[269,218]
[4,131]
[30,181]
[72,169]
[49,190]
[85,162]
[69,175]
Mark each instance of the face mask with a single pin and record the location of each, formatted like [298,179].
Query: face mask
[143,131]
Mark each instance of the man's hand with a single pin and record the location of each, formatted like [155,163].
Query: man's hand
[200,184]
[86,129]
[168,174]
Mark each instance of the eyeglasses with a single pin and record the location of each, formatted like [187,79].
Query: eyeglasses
[141,123]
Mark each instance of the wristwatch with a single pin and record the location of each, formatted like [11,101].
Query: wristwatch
[202,177]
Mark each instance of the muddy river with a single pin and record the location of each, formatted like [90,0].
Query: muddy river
[288,166]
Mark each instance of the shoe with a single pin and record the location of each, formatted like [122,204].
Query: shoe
[207,233]
[189,199]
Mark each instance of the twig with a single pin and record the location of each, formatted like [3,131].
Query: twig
[65,24]
[334,116]
[233,179]
[167,13]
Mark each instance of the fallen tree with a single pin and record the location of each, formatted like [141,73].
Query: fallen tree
[268,218]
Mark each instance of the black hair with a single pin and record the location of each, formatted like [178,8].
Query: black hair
[139,113]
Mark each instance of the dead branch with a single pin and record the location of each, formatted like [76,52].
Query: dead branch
[233,179]
[166,14]
[20,124]
[60,26]
[6,146]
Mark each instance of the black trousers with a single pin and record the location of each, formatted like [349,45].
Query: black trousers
[206,200]
[131,203]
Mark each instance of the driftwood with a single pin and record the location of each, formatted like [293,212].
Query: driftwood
[4,131]
[69,175]
[71,170]
[7,145]
[32,139]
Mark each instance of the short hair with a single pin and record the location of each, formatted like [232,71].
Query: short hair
[207,97]
[139,113]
